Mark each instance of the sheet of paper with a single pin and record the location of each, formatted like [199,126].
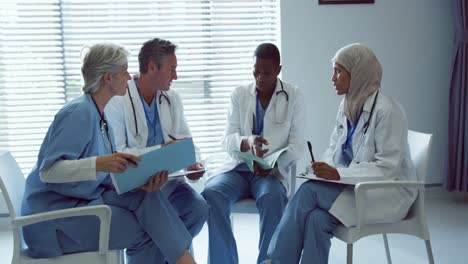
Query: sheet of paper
[248,158]
[266,163]
[273,157]
[347,181]
[181,173]
[173,157]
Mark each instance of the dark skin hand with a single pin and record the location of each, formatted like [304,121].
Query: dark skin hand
[325,171]
[257,169]
[258,141]
[259,172]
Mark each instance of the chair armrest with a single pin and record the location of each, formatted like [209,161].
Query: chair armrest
[361,189]
[103,212]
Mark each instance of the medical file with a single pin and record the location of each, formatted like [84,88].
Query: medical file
[346,181]
[172,158]
[266,163]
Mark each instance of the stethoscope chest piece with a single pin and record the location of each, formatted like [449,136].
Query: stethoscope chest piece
[139,138]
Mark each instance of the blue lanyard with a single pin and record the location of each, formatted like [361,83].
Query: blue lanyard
[349,137]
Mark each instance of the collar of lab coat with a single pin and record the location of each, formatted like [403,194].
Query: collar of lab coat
[366,109]
[139,111]
[253,92]
[369,102]
[164,111]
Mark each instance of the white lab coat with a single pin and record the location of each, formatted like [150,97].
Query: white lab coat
[119,112]
[283,126]
[383,154]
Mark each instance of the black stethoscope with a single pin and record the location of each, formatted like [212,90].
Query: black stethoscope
[103,126]
[367,123]
[138,137]
[282,91]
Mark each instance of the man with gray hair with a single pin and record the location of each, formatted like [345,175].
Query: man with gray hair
[150,116]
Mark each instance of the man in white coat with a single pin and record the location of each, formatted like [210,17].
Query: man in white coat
[149,116]
[263,118]
[370,140]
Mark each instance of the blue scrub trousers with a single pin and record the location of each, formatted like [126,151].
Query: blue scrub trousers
[146,224]
[190,206]
[307,226]
[222,192]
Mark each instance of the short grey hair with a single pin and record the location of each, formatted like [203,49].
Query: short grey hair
[155,50]
[101,58]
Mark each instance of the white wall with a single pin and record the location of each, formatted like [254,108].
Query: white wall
[413,41]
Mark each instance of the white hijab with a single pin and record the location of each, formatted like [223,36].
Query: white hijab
[365,72]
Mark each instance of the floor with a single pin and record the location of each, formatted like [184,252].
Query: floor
[447,215]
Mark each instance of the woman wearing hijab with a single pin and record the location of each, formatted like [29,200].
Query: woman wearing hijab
[73,168]
[369,141]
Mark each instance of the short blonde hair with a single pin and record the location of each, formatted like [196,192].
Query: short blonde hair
[99,59]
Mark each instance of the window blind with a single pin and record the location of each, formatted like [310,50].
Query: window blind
[31,76]
[215,39]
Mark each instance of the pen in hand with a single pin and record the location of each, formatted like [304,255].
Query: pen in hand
[132,162]
[310,151]
[179,138]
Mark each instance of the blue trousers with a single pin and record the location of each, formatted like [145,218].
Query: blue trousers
[222,192]
[190,206]
[307,226]
[152,227]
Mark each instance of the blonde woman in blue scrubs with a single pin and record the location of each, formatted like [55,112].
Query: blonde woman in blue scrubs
[73,169]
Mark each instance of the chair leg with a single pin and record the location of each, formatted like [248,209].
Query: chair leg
[192,252]
[122,256]
[429,252]
[232,222]
[349,253]
[387,249]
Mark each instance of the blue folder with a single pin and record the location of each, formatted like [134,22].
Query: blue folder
[171,158]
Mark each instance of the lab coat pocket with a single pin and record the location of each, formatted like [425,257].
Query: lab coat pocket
[365,154]
[277,135]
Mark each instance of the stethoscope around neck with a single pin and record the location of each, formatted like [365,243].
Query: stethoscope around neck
[278,93]
[277,110]
[103,126]
[365,127]
[162,96]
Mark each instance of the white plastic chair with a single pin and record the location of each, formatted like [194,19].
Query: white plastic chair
[248,205]
[414,223]
[12,184]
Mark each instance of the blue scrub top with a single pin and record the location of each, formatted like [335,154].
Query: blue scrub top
[74,134]
[155,135]
[259,116]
